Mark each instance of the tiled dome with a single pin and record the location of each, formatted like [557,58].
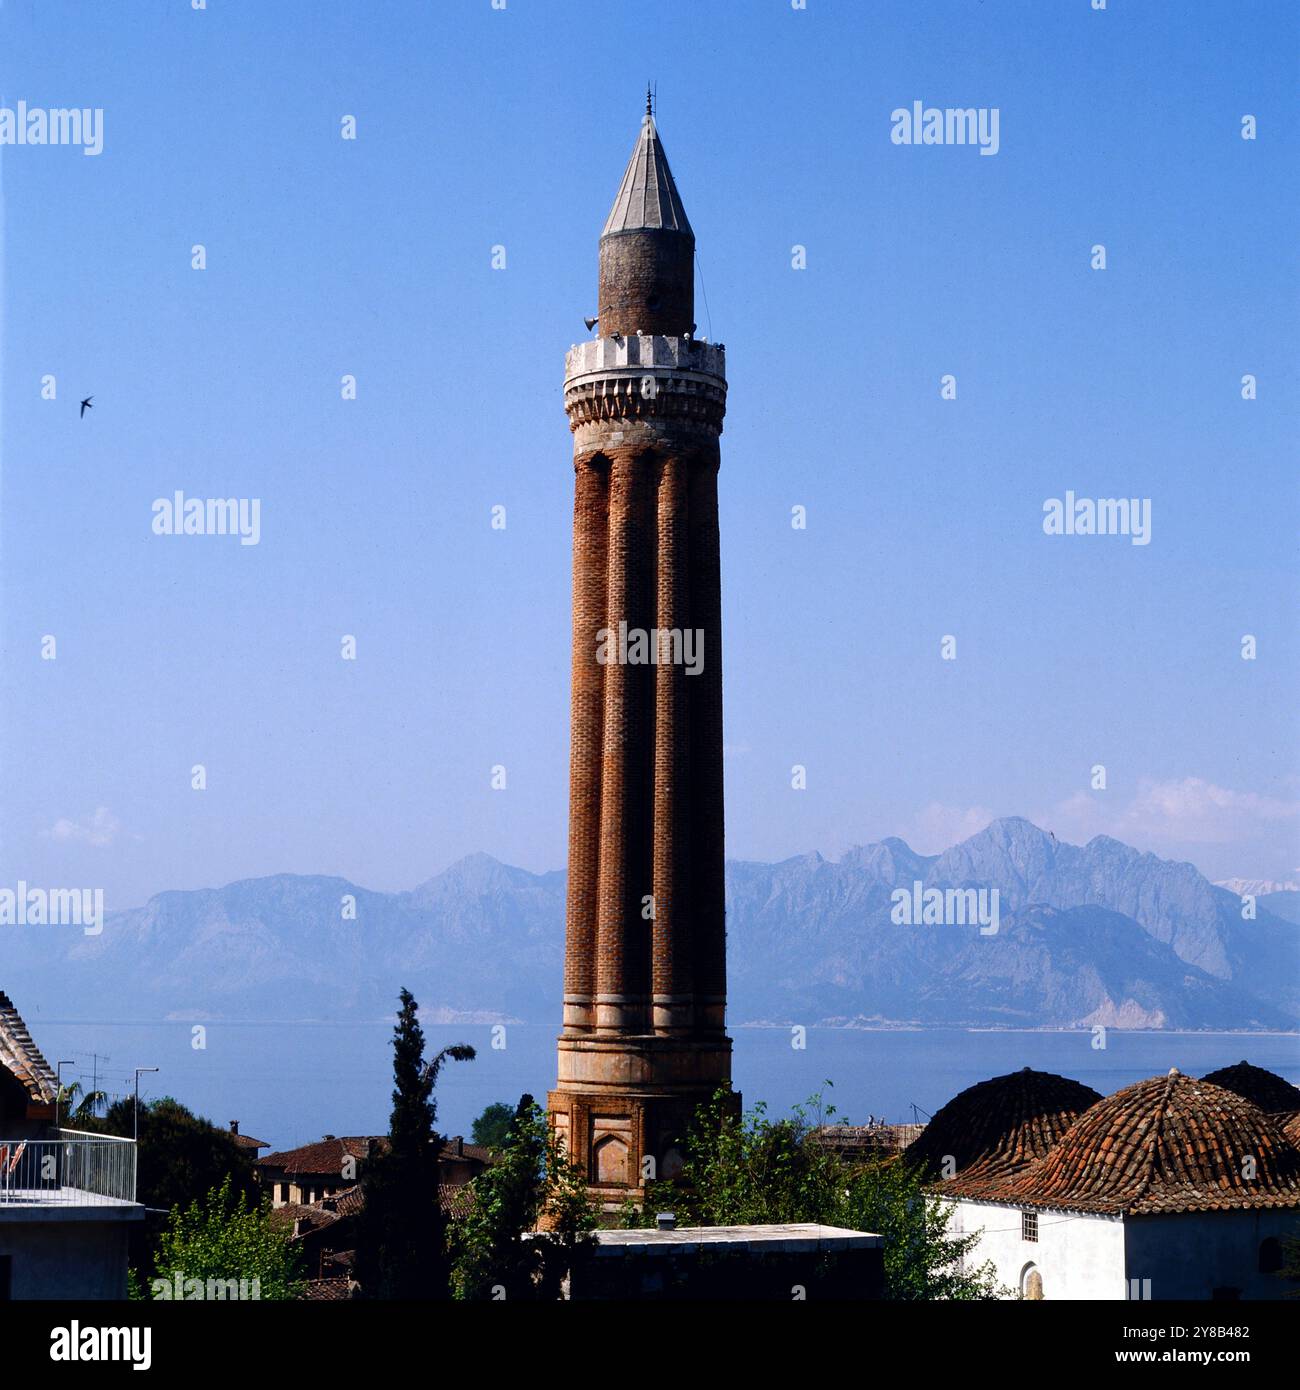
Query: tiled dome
[1272,1093]
[1169,1144]
[992,1130]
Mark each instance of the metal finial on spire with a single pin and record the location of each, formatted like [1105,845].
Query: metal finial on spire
[649,108]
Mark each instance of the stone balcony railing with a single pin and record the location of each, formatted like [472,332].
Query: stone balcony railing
[645,377]
[641,352]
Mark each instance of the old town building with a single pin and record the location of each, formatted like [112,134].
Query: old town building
[1173,1188]
[67,1198]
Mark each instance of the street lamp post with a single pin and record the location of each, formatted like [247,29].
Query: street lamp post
[135,1118]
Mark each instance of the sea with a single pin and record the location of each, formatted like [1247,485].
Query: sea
[292,1083]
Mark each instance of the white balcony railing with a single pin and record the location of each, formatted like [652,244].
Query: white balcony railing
[70,1168]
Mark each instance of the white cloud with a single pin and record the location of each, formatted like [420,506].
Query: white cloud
[938,826]
[100,830]
[1189,811]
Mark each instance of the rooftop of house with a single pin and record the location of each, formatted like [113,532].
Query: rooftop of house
[300,1218]
[1169,1144]
[1272,1093]
[20,1056]
[303,1218]
[325,1157]
[995,1129]
[246,1141]
[795,1238]
[865,1141]
[334,1290]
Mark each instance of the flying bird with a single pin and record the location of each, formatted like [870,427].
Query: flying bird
[85,406]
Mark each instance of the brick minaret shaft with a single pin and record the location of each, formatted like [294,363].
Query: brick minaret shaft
[643,1041]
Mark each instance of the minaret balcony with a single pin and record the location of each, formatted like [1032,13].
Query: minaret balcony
[634,353]
[653,379]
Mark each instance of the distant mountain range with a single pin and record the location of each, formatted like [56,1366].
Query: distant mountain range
[1093,934]
[1281,899]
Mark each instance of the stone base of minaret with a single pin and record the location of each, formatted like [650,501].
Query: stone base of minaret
[625,1107]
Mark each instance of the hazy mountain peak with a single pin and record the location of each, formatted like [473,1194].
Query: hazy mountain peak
[1012,853]
[1099,933]
[476,868]
[891,861]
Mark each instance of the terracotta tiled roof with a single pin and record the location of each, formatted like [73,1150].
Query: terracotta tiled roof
[350,1201]
[993,1130]
[312,1215]
[246,1141]
[325,1157]
[20,1056]
[1272,1093]
[1170,1144]
[326,1290]
[1291,1128]
[478,1152]
[456,1199]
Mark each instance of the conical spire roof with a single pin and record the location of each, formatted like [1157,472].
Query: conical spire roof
[647,197]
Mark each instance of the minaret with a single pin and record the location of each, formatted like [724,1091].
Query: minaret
[643,1042]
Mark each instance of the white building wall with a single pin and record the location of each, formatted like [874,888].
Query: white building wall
[1186,1255]
[1191,1254]
[1077,1256]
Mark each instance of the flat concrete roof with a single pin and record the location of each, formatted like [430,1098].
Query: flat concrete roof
[799,1238]
[66,1204]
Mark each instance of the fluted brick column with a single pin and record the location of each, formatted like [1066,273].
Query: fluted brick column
[625,869]
[673,909]
[590,544]
[708,890]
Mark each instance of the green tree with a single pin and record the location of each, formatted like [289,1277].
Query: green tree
[180,1156]
[226,1240]
[532,1184]
[754,1170]
[492,1126]
[402,1230]
[922,1259]
[78,1107]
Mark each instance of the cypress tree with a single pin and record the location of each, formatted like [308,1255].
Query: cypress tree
[402,1231]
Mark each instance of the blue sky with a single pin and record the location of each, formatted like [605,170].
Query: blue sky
[480,127]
